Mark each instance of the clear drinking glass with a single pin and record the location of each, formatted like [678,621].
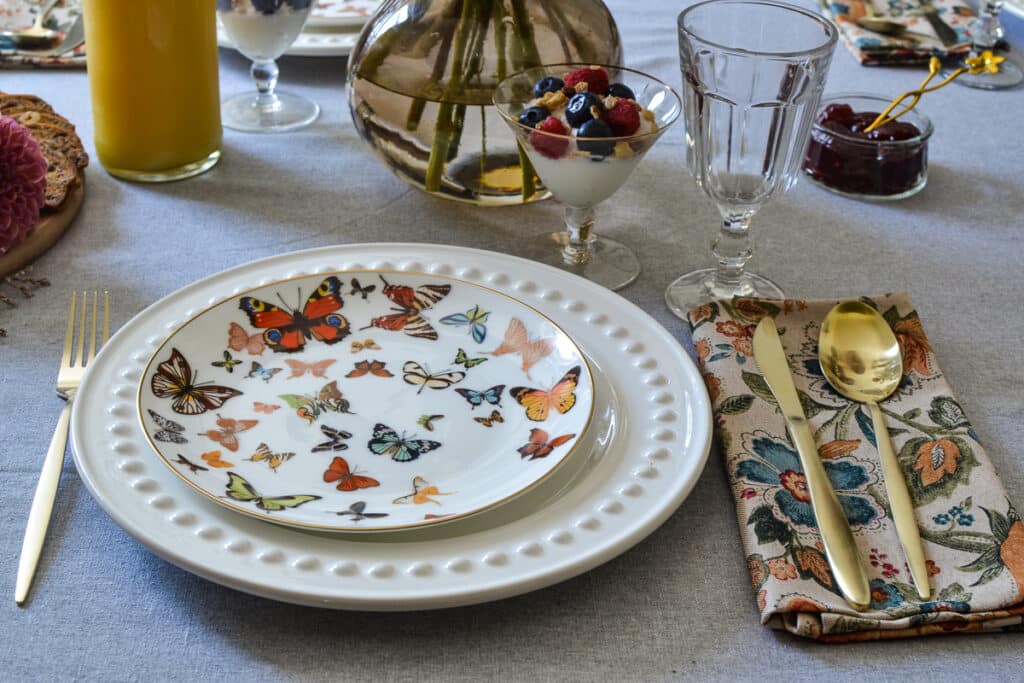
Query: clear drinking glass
[986,32]
[753,72]
[580,171]
[262,30]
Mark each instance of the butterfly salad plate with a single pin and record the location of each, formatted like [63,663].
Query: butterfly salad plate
[391,426]
[365,400]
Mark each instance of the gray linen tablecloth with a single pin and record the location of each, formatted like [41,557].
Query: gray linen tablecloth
[679,605]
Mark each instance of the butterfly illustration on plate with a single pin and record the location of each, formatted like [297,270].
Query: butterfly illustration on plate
[366,345]
[273,460]
[174,379]
[170,431]
[348,480]
[422,492]
[478,398]
[267,408]
[539,446]
[540,403]
[257,371]
[357,511]
[517,340]
[317,369]
[408,304]
[360,290]
[240,489]
[386,441]
[182,460]
[213,459]
[465,361]
[427,421]
[335,440]
[490,421]
[373,367]
[230,428]
[228,363]
[473,320]
[319,319]
[415,374]
[239,339]
[328,400]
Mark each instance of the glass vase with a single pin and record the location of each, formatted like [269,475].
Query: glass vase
[423,73]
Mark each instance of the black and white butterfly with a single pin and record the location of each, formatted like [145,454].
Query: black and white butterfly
[362,291]
[386,441]
[358,512]
[170,431]
[335,440]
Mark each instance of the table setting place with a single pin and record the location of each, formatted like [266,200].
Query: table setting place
[362,309]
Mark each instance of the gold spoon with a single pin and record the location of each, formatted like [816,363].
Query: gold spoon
[886,27]
[35,36]
[861,359]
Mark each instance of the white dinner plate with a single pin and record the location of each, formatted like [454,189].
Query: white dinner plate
[350,14]
[642,454]
[366,400]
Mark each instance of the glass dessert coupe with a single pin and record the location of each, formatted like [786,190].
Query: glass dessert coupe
[585,128]
[262,30]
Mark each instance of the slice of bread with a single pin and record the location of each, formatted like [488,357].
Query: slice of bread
[35,118]
[66,141]
[61,177]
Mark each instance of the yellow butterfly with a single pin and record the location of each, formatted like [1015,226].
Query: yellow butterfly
[538,403]
[274,460]
[421,493]
[358,346]
[489,421]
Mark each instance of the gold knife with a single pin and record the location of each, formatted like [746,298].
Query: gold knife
[840,548]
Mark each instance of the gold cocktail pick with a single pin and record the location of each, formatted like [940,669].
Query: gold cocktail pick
[986,62]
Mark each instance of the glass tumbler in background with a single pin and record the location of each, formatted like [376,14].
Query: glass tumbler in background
[154,85]
[753,72]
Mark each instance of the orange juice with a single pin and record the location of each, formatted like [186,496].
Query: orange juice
[154,82]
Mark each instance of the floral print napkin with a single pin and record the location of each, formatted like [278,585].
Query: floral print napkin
[876,49]
[18,14]
[973,537]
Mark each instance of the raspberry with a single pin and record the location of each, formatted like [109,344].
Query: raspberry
[549,145]
[596,79]
[624,117]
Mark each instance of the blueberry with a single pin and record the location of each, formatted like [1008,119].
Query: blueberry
[577,111]
[225,5]
[595,128]
[620,90]
[298,5]
[532,116]
[548,84]
[266,6]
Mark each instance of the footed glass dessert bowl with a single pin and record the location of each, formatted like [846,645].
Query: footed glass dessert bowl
[585,128]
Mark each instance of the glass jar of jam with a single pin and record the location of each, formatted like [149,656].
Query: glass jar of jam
[891,162]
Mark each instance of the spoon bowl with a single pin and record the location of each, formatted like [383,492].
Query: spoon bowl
[35,36]
[861,359]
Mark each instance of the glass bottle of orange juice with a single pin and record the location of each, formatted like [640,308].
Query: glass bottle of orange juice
[154,83]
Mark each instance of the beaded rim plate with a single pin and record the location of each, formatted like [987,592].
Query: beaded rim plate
[365,400]
[643,454]
[351,14]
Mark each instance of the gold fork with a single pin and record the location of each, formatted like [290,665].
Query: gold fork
[68,379]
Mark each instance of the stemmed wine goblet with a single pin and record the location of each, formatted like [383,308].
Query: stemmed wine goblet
[986,32]
[580,159]
[753,72]
[262,30]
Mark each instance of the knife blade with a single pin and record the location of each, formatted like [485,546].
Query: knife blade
[944,31]
[836,535]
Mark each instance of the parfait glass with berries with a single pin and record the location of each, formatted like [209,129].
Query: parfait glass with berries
[585,128]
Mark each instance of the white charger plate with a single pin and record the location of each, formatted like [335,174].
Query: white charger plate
[351,14]
[642,455]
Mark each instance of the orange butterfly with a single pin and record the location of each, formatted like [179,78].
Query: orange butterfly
[229,428]
[374,367]
[213,460]
[347,480]
[489,421]
[539,446]
[267,408]
[239,339]
[318,369]
[421,493]
[539,403]
[369,344]
[517,340]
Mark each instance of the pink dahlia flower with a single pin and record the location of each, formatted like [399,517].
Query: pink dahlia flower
[22,183]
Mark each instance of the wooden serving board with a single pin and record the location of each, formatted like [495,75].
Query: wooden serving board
[46,233]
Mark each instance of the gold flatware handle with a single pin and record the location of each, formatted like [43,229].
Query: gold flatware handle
[836,535]
[901,505]
[42,507]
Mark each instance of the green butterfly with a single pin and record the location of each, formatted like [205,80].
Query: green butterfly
[240,489]
[228,363]
[462,359]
